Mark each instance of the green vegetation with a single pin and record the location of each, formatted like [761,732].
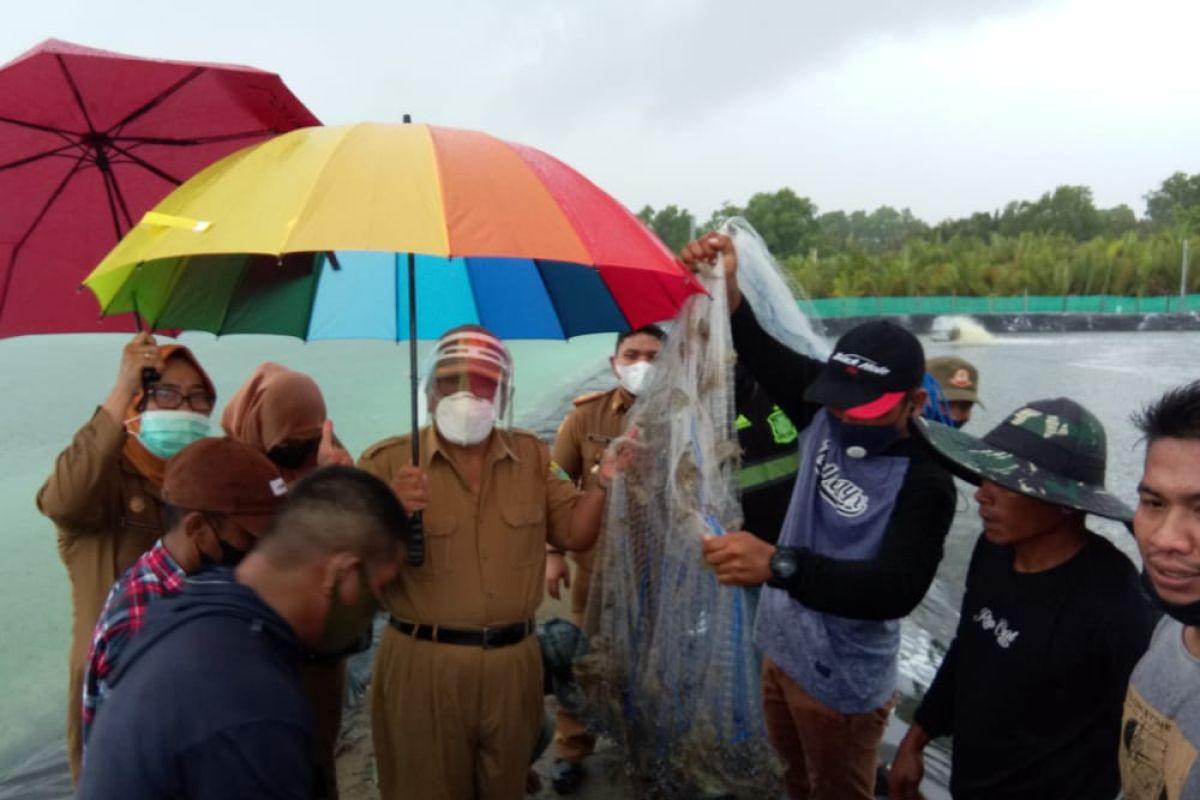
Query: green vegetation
[1059,244]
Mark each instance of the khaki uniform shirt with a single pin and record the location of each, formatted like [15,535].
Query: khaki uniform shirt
[485,553]
[583,437]
[107,514]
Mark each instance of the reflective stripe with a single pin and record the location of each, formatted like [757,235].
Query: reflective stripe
[769,471]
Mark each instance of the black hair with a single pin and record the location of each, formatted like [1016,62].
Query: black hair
[649,330]
[337,509]
[171,515]
[1175,415]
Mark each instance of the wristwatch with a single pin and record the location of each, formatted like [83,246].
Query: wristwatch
[784,566]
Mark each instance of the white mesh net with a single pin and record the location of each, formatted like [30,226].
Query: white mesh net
[671,672]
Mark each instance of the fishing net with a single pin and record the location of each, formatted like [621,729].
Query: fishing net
[671,672]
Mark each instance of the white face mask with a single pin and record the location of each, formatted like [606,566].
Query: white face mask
[464,419]
[634,376]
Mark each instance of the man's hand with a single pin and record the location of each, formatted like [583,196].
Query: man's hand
[618,457]
[411,486]
[705,250]
[739,558]
[329,453]
[908,767]
[557,572]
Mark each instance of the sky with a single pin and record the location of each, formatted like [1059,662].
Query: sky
[943,106]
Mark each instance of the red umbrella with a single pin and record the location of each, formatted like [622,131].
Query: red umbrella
[89,141]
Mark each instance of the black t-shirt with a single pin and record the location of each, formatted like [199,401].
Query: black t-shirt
[1033,685]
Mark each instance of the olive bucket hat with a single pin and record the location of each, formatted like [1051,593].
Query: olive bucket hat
[1052,450]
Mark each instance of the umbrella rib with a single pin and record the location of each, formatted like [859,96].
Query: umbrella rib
[20,162]
[20,123]
[116,187]
[146,165]
[197,140]
[75,91]
[109,190]
[157,99]
[32,227]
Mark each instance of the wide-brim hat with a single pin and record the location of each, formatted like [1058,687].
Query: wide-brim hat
[1050,450]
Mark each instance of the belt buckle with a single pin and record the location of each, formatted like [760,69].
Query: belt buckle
[491,637]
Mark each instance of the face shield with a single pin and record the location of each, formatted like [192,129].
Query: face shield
[471,365]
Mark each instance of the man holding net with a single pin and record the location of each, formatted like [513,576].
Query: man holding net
[859,547]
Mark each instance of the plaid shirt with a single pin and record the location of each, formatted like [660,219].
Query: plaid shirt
[152,576]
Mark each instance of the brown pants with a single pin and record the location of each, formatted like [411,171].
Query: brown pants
[454,722]
[572,741]
[829,755]
[324,686]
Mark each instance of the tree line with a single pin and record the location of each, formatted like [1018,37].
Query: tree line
[1060,243]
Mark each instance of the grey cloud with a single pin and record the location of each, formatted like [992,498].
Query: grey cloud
[661,61]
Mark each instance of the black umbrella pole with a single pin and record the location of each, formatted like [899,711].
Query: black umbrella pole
[416,529]
[149,374]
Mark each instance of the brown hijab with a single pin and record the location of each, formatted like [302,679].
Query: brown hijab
[145,462]
[273,406]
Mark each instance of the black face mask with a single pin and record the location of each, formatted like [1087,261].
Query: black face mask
[1188,613]
[860,441]
[230,555]
[293,455]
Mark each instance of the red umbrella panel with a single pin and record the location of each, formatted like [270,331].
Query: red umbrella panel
[91,140]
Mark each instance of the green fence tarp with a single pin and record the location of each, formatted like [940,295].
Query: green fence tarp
[1033,304]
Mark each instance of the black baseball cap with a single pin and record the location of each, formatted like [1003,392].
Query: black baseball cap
[872,367]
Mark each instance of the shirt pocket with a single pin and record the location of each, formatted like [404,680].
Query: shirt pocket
[591,453]
[524,516]
[439,530]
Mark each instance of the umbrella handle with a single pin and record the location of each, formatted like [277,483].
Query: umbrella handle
[416,540]
[149,375]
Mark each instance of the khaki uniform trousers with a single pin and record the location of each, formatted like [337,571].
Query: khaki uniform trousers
[829,755]
[454,722]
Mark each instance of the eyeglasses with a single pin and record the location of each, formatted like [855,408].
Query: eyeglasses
[172,397]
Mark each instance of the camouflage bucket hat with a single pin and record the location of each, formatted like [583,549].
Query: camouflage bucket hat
[1051,450]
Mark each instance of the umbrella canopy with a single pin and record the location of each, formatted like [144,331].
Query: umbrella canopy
[89,140]
[496,233]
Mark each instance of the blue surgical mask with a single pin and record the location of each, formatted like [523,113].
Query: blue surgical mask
[165,432]
[860,441]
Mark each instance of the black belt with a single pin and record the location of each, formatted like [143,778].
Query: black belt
[488,638]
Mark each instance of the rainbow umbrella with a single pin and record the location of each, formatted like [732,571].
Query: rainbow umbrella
[312,234]
[343,232]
